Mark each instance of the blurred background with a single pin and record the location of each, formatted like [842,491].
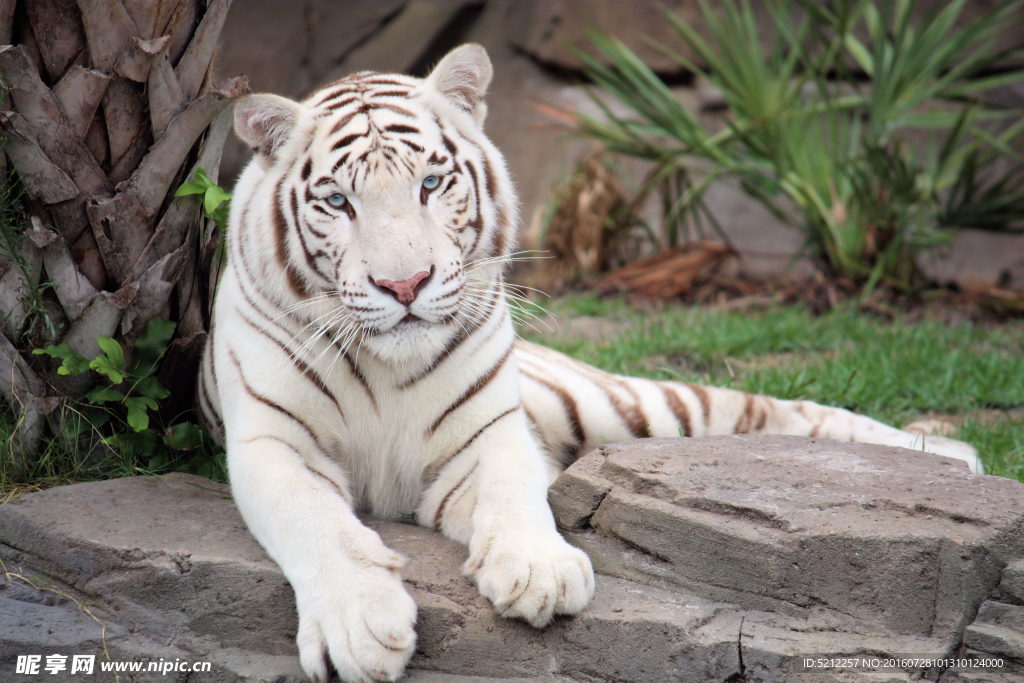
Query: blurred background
[290,47]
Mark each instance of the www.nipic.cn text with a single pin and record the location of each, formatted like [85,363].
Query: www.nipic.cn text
[87,664]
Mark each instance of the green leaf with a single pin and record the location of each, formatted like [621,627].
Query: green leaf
[74,363]
[185,436]
[187,189]
[158,463]
[149,386]
[150,347]
[860,53]
[215,196]
[199,185]
[138,417]
[113,350]
[102,365]
[62,351]
[104,395]
[984,84]
[204,467]
[220,217]
[145,443]
[73,423]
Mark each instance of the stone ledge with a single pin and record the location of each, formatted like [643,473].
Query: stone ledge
[906,541]
[168,564]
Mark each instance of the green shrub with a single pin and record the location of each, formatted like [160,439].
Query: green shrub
[817,126]
[120,408]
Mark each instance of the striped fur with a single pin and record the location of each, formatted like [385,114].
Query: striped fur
[334,394]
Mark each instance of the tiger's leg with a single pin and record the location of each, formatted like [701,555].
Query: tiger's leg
[351,602]
[493,496]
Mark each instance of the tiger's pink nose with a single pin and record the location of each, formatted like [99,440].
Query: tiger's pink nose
[405,291]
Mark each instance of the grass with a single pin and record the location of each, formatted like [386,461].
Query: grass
[895,372]
[77,454]
[63,459]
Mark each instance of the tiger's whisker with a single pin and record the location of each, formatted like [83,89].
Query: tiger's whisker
[320,298]
[343,347]
[334,340]
[323,330]
[519,256]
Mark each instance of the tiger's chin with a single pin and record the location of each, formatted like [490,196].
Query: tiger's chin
[411,339]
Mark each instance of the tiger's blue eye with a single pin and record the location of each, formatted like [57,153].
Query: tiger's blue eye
[337,200]
[431,182]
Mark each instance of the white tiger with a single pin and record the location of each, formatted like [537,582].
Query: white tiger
[363,359]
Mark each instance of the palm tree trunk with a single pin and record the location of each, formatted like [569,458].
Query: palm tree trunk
[108,109]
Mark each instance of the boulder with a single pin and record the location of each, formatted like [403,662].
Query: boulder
[904,540]
[977,260]
[697,540]
[1012,584]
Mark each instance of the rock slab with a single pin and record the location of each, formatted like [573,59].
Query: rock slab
[167,565]
[908,541]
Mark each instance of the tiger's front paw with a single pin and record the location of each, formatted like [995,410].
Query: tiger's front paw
[359,616]
[531,577]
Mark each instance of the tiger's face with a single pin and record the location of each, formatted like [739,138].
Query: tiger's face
[393,209]
[386,210]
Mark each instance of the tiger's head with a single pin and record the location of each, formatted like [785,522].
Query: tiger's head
[385,212]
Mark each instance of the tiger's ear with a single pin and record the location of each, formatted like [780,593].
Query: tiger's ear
[264,122]
[462,77]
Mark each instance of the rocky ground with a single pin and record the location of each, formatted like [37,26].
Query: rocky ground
[720,559]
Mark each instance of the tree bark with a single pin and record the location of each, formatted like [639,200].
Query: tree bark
[108,108]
